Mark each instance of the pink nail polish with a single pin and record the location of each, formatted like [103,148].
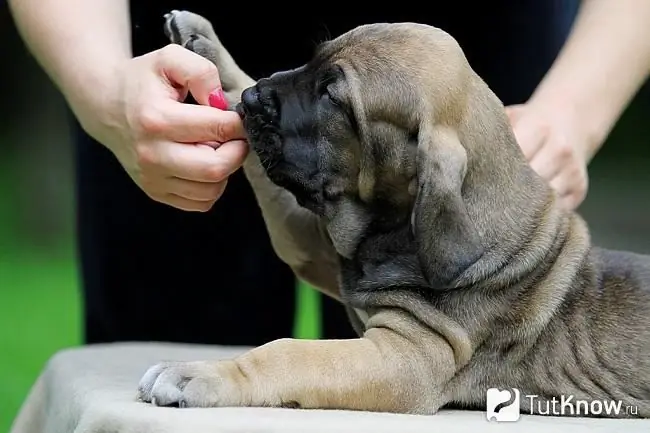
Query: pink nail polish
[217,99]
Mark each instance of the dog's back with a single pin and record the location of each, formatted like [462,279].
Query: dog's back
[597,346]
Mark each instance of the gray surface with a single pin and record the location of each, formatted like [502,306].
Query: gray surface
[92,389]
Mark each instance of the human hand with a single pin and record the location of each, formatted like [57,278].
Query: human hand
[556,148]
[179,154]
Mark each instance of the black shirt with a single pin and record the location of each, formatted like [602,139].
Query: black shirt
[509,43]
[152,272]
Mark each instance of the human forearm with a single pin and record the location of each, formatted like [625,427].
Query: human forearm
[603,64]
[79,43]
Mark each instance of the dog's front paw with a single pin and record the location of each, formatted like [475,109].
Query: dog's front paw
[195,33]
[181,27]
[191,384]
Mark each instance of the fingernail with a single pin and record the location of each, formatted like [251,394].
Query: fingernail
[217,99]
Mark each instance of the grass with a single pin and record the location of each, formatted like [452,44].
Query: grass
[39,314]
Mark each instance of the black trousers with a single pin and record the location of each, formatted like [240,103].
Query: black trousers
[151,272]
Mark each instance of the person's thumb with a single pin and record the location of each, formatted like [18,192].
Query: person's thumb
[528,131]
[188,70]
[513,112]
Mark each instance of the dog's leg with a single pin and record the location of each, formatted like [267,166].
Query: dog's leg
[397,366]
[296,234]
[195,33]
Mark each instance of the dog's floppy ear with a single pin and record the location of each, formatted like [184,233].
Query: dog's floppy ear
[447,240]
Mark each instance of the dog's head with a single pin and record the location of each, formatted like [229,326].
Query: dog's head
[388,134]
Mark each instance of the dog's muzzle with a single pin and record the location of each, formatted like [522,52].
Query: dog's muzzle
[260,100]
[259,111]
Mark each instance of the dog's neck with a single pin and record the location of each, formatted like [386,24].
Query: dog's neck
[382,261]
[385,265]
[521,241]
[516,213]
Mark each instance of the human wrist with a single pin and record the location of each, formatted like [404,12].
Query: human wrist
[602,65]
[96,98]
[589,126]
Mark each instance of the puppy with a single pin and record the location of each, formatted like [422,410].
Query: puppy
[390,179]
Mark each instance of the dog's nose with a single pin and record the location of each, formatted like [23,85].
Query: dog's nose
[260,98]
[250,99]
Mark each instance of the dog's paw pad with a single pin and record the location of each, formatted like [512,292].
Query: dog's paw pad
[171,27]
[183,26]
[191,42]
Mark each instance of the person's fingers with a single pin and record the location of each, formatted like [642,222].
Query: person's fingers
[530,135]
[571,201]
[200,163]
[514,112]
[563,190]
[190,123]
[530,140]
[230,157]
[546,164]
[188,70]
[212,144]
[571,187]
[561,185]
[185,204]
[191,190]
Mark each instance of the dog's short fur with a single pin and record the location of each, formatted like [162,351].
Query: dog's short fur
[389,178]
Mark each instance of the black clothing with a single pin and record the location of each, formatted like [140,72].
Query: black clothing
[151,272]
